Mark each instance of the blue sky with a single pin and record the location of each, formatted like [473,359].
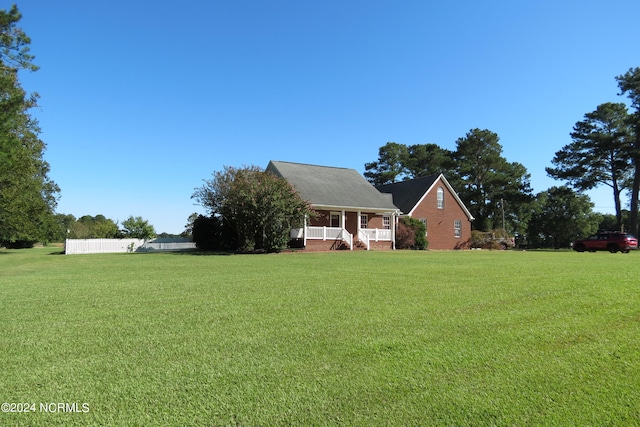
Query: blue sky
[142,100]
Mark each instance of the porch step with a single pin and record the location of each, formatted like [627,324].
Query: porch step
[341,245]
[359,245]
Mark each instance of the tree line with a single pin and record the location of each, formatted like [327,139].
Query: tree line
[497,192]
[605,150]
[101,227]
[483,178]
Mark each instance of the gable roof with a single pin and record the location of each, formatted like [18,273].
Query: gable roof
[407,195]
[332,187]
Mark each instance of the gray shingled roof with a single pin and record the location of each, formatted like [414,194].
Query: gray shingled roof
[407,194]
[325,186]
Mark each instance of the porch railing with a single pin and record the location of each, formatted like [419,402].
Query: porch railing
[347,237]
[366,235]
[364,238]
[377,234]
[327,233]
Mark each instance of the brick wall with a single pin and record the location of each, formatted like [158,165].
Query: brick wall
[320,245]
[380,246]
[440,222]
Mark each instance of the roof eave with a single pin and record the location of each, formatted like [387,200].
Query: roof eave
[355,208]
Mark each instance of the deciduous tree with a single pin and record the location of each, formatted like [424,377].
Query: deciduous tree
[138,228]
[210,233]
[260,207]
[561,216]
[92,227]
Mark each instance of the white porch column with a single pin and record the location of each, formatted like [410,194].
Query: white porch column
[358,232]
[304,234]
[394,219]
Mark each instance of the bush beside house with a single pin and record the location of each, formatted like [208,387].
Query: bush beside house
[411,234]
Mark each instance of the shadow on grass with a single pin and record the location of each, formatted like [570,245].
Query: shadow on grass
[550,250]
[198,253]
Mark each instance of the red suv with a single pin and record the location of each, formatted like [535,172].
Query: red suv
[609,241]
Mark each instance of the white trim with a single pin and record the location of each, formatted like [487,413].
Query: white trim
[451,190]
[355,209]
[440,202]
[304,238]
[360,216]
[388,217]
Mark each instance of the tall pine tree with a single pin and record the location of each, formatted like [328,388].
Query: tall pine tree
[629,84]
[27,194]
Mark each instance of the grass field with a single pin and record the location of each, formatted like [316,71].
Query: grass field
[350,338]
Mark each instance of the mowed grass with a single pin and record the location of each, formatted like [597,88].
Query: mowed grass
[344,338]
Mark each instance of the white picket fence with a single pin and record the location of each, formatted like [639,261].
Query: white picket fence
[102,246]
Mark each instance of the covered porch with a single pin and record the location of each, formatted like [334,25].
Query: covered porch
[335,229]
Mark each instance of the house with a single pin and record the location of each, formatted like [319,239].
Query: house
[433,201]
[352,214]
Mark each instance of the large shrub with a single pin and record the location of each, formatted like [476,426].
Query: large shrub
[210,234]
[258,206]
[492,239]
[411,234]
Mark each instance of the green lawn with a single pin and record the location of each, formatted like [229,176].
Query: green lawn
[344,338]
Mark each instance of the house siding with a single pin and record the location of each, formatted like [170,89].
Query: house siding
[440,222]
[375,221]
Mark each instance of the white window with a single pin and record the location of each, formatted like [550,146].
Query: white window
[440,198]
[335,220]
[457,228]
[364,221]
[386,222]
